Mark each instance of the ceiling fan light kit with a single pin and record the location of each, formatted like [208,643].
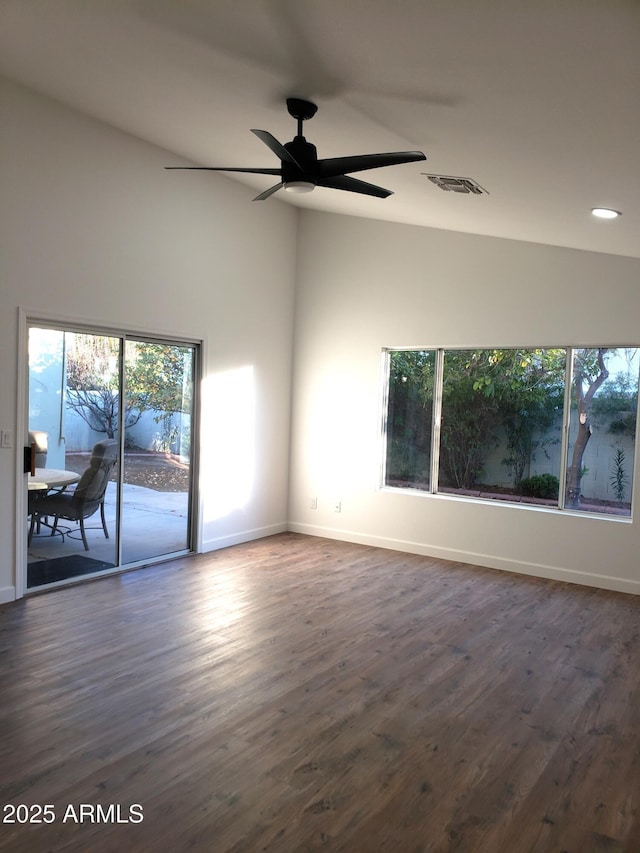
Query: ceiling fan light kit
[300,169]
[299,186]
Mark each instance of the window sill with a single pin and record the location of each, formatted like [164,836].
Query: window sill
[517,501]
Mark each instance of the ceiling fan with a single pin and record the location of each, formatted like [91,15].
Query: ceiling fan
[300,170]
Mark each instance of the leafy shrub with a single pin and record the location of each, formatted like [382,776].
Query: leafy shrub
[540,486]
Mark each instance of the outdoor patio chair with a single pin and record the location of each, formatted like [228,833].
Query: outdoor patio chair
[88,496]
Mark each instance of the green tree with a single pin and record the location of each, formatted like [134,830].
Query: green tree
[470,417]
[410,415]
[92,377]
[158,378]
[517,392]
[488,397]
[617,401]
[533,402]
[589,373]
[511,398]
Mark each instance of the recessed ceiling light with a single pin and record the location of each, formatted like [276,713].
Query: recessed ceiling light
[605,213]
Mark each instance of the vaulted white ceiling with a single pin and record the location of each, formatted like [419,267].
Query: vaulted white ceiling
[538,101]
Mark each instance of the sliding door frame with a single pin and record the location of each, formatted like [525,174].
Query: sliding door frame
[28,319]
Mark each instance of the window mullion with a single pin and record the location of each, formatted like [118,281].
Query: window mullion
[437,416]
[566,412]
[384,425]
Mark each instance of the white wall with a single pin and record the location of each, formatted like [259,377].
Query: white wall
[364,285]
[94,229]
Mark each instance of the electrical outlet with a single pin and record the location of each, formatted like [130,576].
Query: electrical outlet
[337,507]
[314,503]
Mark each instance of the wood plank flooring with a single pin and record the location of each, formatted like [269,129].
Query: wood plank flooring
[298,694]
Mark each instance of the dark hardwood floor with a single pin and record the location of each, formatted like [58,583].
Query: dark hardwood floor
[299,694]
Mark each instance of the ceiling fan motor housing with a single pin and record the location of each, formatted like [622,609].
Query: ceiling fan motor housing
[304,153]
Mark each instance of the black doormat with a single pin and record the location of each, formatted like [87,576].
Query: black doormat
[63,568]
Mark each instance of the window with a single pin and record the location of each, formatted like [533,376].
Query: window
[410,419]
[602,429]
[513,424]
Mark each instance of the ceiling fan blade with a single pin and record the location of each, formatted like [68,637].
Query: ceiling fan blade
[278,149]
[227,169]
[344,182]
[335,166]
[267,193]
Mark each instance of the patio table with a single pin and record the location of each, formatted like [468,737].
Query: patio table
[44,481]
[53,478]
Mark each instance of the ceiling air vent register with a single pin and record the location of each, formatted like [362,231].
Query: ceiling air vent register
[449,183]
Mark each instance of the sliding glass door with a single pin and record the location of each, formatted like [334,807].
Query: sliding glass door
[110,422]
[73,419]
[156,482]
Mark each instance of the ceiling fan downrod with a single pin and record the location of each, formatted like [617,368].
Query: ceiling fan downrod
[301,110]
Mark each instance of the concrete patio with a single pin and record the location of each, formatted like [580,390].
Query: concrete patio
[153,524]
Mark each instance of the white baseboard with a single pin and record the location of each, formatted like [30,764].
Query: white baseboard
[243,536]
[488,561]
[7,594]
